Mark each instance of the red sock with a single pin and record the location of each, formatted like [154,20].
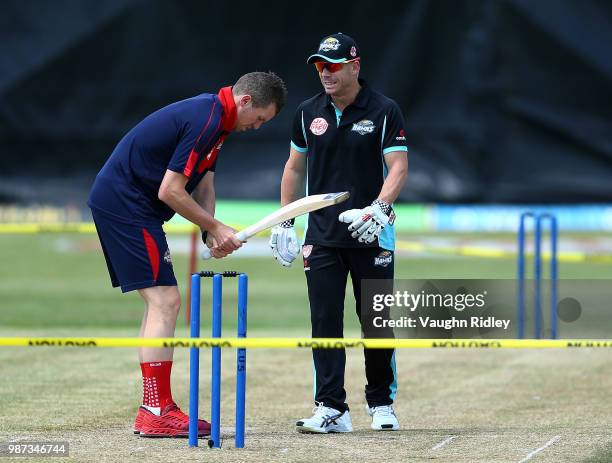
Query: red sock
[156,392]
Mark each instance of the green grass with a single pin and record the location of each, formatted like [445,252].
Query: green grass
[501,405]
[44,285]
[603,455]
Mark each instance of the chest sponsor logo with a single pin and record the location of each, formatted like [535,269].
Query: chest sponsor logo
[329,44]
[319,126]
[216,148]
[208,160]
[383,259]
[363,127]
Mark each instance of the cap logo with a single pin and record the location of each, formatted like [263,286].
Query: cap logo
[329,44]
[353,52]
[318,126]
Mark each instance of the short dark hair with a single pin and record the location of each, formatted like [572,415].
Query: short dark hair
[264,88]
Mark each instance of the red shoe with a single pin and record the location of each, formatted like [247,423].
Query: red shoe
[139,417]
[171,423]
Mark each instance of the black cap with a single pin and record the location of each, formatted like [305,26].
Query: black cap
[335,48]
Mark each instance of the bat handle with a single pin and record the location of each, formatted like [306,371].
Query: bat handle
[241,235]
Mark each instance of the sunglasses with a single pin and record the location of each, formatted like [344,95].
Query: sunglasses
[331,67]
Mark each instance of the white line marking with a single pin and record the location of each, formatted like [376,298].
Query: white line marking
[439,445]
[538,450]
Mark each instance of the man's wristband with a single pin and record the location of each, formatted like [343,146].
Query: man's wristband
[287,223]
[385,207]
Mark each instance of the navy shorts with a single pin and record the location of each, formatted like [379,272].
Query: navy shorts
[136,256]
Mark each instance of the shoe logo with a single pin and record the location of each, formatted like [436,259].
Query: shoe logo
[329,420]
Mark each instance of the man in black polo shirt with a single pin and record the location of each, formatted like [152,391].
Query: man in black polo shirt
[346,138]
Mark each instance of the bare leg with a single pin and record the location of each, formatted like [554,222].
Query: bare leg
[162,304]
[142,330]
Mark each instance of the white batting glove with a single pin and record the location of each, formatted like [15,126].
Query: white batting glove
[367,224]
[284,243]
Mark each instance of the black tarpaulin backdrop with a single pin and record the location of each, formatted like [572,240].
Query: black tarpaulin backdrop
[505,100]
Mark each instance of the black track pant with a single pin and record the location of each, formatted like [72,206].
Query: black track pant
[326,273]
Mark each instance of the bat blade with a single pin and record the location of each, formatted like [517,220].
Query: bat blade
[290,211]
[295,209]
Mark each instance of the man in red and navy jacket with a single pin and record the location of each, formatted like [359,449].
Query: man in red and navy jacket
[165,165]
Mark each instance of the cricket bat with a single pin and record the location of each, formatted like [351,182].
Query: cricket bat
[290,211]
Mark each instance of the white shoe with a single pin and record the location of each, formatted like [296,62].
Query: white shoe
[324,420]
[383,418]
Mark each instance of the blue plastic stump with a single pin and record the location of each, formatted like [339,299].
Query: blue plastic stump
[194,362]
[215,418]
[243,282]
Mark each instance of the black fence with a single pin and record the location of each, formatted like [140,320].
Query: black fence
[505,100]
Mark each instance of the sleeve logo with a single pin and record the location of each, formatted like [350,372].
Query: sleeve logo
[168,257]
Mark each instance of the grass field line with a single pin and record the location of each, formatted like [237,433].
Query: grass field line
[540,449]
[448,440]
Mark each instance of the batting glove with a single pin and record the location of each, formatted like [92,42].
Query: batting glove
[367,224]
[284,243]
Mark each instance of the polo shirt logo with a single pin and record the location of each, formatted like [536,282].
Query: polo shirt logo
[319,126]
[208,160]
[363,127]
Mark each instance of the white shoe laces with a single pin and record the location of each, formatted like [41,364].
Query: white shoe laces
[383,410]
[321,411]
